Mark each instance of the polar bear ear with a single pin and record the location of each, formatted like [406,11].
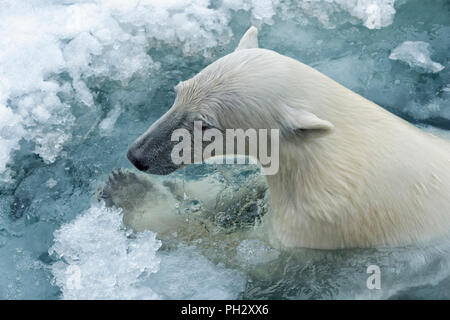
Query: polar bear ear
[306,124]
[249,40]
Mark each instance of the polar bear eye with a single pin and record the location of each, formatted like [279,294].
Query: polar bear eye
[206,126]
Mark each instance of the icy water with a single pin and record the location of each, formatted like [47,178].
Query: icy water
[81,79]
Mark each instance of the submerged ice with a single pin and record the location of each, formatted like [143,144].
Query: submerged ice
[417,55]
[81,79]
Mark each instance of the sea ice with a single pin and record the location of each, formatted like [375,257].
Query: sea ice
[375,14]
[86,256]
[417,55]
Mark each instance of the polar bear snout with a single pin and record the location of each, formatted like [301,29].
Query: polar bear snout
[152,157]
[151,152]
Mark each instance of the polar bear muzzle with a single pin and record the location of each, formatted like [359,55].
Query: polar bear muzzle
[151,152]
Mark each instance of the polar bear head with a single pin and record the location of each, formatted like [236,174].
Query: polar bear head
[249,88]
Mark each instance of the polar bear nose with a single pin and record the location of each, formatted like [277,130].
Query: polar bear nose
[136,162]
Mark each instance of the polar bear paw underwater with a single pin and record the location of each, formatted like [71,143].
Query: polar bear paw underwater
[351,174]
[188,209]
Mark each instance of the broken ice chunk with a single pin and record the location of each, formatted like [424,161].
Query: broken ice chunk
[374,14]
[417,55]
[255,252]
[51,183]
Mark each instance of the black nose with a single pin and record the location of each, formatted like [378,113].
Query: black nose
[136,162]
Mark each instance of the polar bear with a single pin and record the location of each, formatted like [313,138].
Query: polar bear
[351,173]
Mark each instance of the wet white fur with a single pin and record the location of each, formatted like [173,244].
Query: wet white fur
[369,178]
